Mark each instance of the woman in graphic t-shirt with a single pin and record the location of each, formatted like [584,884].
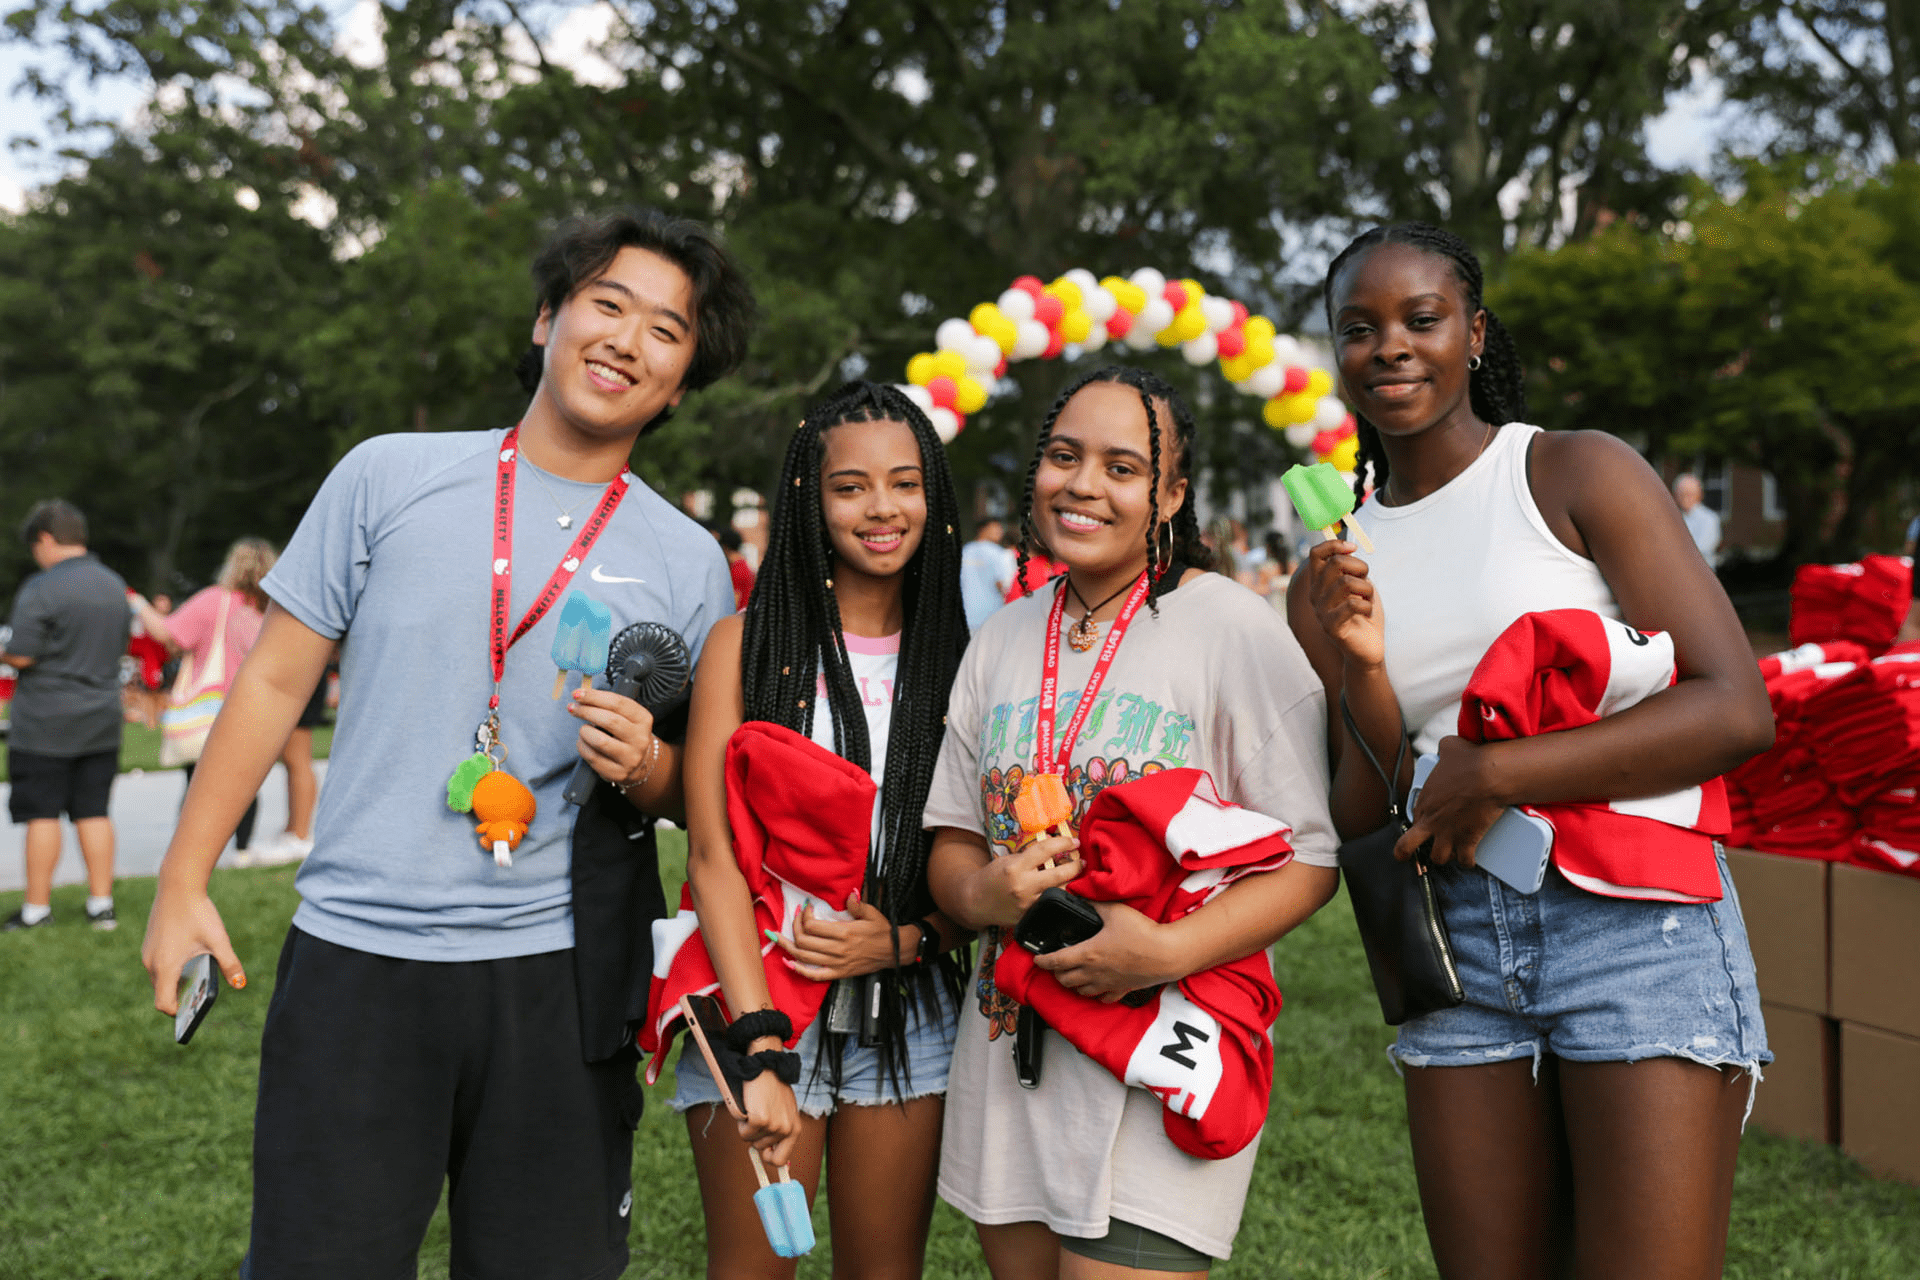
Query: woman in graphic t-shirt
[1205,676]
[850,638]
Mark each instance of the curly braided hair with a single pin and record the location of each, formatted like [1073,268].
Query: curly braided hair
[1186,551]
[1497,389]
[792,637]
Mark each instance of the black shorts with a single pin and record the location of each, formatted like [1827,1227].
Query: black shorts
[316,709]
[382,1078]
[48,786]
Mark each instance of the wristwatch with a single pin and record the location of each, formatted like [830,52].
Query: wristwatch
[929,948]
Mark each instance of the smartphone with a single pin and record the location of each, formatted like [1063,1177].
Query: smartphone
[1516,848]
[1057,920]
[199,985]
[708,1027]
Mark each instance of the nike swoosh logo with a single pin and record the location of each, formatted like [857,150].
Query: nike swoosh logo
[599,576]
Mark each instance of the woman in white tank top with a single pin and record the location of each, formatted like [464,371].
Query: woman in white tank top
[1585,1102]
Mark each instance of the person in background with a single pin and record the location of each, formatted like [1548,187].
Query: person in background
[987,567]
[737,567]
[69,628]
[1248,559]
[193,627]
[147,693]
[303,789]
[1703,522]
[1275,571]
[1040,569]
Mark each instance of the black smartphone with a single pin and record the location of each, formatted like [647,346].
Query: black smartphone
[199,985]
[1056,921]
[708,1027]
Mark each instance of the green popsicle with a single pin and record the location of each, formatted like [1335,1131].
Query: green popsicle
[1324,500]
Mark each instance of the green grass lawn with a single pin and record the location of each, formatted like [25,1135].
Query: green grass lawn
[123,1156]
[140,748]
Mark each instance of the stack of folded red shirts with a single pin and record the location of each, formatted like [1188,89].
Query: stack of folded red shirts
[1775,665]
[1867,727]
[1889,838]
[1863,602]
[1783,800]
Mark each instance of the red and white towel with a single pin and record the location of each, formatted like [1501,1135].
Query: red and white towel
[1166,844]
[802,820]
[1565,668]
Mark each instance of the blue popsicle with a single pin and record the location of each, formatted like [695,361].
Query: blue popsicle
[783,1211]
[580,641]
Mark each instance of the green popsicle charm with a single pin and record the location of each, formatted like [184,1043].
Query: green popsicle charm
[1324,501]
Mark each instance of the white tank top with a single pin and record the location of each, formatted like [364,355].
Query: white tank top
[874,661]
[1456,568]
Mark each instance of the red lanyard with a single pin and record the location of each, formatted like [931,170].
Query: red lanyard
[1050,677]
[497,638]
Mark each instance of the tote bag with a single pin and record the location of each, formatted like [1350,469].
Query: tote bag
[196,698]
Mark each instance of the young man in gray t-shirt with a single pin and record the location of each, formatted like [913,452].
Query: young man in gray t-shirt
[429,1021]
[69,630]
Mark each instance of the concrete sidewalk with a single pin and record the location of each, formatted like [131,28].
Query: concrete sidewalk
[143,809]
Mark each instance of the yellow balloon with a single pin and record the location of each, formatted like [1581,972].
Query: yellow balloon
[984,317]
[1274,413]
[1125,292]
[1076,324]
[1237,368]
[1067,291]
[1319,383]
[1260,329]
[950,363]
[968,395]
[920,369]
[1346,454]
[1005,333]
[1192,322]
[1195,292]
[1259,353]
[1301,406]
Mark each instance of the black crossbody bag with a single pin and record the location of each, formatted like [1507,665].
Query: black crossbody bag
[1394,904]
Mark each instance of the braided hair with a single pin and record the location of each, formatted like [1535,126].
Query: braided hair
[1497,389]
[791,637]
[1186,550]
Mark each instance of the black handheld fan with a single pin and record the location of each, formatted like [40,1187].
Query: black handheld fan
[649,663]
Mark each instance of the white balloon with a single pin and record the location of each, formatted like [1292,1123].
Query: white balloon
[1155,316]
[1083,279]
[1140,338]
[1096,338]
[953,335]
[1218,311]
[982,353]
[1098,304]
[1288,351]
[1016,305]
[1267,381]
[946,423]
[1150,280]
[1301,434]
[1034,339]
[1328,414]
[1202,350]
[919,395]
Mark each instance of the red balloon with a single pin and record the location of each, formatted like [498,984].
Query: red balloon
[1323,442]
[1232,342]
[1048,309]
[1000,371]
[1176,293]
[942,390]
[1030,284]
[959,422]
[1054,345]
[1239,315]
[1119,322]
[1296,379]
[1346,428]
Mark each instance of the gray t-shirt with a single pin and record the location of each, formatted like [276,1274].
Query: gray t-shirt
[73,621]
[393,555]
[1215,682]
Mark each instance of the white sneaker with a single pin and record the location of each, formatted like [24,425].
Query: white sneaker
[245,858]
[287,848]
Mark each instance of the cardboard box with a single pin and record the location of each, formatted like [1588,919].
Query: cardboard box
[1879,1106]
[1875,947]
[1799,1095]
[1784,901]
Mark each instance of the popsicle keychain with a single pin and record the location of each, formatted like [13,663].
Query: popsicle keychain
[480,784]
[1324,500]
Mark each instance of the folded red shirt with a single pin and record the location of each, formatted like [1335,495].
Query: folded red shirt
[1865,602]
[1165,844]
[802,821]
[1565,668]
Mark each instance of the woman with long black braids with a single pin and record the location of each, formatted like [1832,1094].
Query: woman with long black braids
[1079,1176]
[851,637]
[1584,1104]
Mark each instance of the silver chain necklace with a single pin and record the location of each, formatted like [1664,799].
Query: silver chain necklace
[565,518]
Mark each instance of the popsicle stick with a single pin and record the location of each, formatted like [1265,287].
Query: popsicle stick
[559,683]
[1360,536]
[759,1169]
[586,679]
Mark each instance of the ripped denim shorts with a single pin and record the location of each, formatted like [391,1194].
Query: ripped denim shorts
[1590,979]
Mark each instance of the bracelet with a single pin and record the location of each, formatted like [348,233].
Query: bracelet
[749,1027]
[930,948]
[653,758]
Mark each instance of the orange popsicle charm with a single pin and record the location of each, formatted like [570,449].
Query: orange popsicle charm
[504,808]
[1042,807]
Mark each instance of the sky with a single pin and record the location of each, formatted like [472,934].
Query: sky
[1685,137]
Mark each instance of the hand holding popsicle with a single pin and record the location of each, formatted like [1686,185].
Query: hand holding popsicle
[1324,500]
[1042,807]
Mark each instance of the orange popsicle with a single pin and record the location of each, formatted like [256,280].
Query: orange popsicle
[1042,807]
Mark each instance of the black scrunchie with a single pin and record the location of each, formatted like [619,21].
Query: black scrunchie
[749,1027]
[784,1063]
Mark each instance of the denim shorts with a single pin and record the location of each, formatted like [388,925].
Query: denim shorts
[862,1084]
[1590,979]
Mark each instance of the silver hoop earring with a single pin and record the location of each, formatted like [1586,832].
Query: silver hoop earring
[1473,364]
[1162,554]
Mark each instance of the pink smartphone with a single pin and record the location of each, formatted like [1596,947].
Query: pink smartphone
[708,1027]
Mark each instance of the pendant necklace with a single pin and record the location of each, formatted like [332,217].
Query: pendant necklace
[565,518]
[1084,634]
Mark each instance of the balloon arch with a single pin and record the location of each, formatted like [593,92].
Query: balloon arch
[1035,321]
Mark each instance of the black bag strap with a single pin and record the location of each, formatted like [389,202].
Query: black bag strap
[1392,780]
